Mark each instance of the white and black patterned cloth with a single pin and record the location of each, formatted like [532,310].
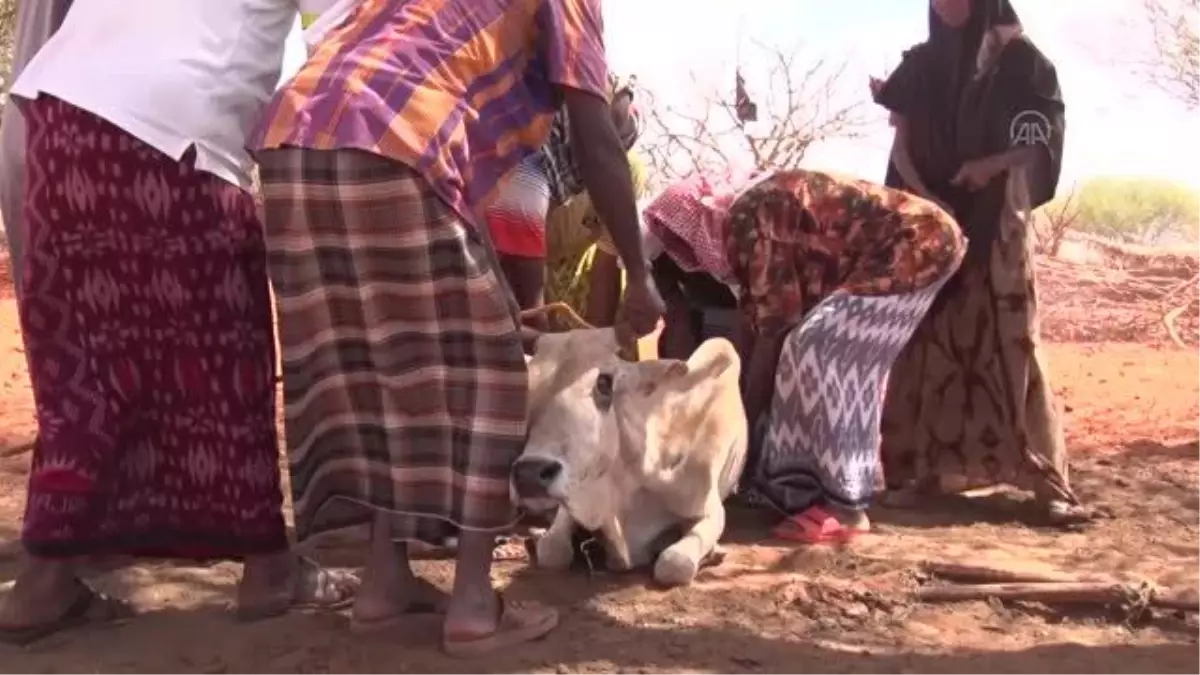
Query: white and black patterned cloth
[557,159]
[558,162]
[820,441]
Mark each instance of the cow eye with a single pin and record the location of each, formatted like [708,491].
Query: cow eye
[604,384]
[602,394]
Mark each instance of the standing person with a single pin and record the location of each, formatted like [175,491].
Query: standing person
[146,312]
[583,270]
[536,194]
[832,276]
[979,128]
[516,221]
[403,365]
[36,22]
[587,268]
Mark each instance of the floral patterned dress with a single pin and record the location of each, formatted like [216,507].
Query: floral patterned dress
[845,269]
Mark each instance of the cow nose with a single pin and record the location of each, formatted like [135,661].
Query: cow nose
[533,476]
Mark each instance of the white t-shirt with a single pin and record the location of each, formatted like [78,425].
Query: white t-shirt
[173,73]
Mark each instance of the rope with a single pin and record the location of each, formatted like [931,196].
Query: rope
[556,307]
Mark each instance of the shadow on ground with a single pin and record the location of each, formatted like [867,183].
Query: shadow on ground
[590,640]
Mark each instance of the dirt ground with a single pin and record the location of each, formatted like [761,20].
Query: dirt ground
[1132,426]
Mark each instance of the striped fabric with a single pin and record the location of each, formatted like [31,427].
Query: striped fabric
[459,90]
[404,379]
[516,218]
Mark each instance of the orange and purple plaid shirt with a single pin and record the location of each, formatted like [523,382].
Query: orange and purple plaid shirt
[460,90]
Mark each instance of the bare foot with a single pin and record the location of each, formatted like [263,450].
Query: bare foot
[378,607]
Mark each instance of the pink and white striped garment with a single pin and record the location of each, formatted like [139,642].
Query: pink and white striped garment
[517,216]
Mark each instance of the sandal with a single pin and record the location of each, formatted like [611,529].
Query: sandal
[1064,514]
[815,526]
[313,587]
[90,606]
[433,603]
[516,623]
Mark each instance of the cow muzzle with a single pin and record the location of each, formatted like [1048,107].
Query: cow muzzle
[534,477]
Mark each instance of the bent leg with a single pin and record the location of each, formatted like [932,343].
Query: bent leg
[680,562]
[555,549]
[821,447]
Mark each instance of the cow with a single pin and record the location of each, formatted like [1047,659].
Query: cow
[634,451]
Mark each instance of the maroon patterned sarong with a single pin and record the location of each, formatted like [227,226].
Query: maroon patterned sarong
[147,324]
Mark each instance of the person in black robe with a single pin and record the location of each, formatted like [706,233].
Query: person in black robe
[980,121]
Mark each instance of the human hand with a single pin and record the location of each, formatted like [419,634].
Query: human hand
[975,174]
[644,307]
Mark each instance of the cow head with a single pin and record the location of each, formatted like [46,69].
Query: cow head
[588,409]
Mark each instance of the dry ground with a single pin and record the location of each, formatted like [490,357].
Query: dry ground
[1132,426]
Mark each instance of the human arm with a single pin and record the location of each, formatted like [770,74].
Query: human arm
[759,374]
[903,162]
[977,173]
[900,94]
[574,54]
[1035,126]
[573,47]
[604,169]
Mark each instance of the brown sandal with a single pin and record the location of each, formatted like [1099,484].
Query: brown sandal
[91,606]
[517,623]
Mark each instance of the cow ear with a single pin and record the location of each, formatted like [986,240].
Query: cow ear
[655,373]
[674,368]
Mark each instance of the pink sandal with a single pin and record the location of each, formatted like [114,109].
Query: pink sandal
[815,526]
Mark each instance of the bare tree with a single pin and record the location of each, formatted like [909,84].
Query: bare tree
[1051,222]
[1174,64]
[800,107]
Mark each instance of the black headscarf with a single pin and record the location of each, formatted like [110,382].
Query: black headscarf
[954,117]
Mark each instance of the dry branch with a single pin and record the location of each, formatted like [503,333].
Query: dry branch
[1081,592]
[987,574]
[1175,64]
[1051,223]
[801,109]
[1129,296]
[1169,320]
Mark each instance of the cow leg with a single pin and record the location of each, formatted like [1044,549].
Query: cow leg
[554,548]
[679,564]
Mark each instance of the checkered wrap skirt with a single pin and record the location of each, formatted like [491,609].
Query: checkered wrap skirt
[404,379]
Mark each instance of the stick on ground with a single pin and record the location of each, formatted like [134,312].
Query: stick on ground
[1082,592]
[973,573]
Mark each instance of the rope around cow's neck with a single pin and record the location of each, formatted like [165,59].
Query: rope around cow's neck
[555,307]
